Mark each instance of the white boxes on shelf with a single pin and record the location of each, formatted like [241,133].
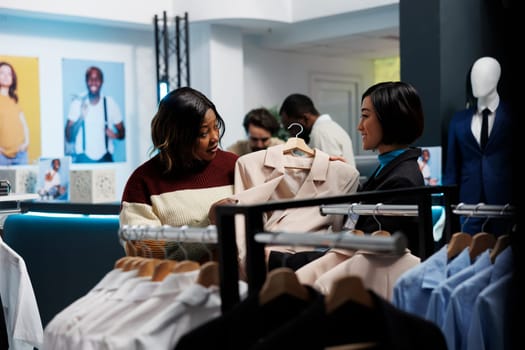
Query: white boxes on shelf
[92,186]
[23,178]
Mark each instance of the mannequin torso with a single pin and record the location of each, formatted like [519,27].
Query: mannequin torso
[481,174]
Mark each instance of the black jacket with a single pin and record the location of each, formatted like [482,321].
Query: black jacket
[402,171]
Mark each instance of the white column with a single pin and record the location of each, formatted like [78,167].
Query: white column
[216,69]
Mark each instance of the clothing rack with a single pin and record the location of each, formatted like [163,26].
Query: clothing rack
[397,243]
[484,210]
[11,203]
[370,209]
[253,214]
[175,233]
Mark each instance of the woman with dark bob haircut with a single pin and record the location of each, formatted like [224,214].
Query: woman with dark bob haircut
[188,175]
[399,111]
[391,119]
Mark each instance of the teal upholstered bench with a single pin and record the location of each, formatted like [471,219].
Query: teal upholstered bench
[65,255]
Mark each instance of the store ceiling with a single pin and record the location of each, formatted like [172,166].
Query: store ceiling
[367,34]
[371,45]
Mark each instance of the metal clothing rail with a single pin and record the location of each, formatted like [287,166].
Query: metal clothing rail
[256,268]
[370,209]
[397,243]
[12,203]
[484,210]
[174,233]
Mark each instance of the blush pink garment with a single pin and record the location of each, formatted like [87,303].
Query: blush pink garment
[270,175]
[379,271]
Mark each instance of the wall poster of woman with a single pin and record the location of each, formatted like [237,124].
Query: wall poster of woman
[19,110]
[94,113]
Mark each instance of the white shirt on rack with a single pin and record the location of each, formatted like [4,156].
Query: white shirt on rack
[22,317]
[75,312]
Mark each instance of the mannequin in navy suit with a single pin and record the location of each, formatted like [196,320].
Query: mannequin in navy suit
[483,175]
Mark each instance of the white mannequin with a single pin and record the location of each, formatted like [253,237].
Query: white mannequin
[483,175]
[484,78]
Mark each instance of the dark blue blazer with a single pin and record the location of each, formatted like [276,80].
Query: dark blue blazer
[477,171]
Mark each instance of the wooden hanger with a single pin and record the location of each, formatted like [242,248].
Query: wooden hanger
[131,249]
[209,274]
[121,262]
[458,242]
[162,270]
[348,288]
[147,267]
[502,242]
[481,241]
[279,281]
[382,233]
[357,232]
[137,263]
[132,263]
[297,144]
[185,266]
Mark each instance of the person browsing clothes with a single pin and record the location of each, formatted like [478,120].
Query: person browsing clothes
[391,120]
[187,177]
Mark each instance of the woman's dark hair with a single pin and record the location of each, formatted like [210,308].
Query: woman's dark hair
[262,118]
[399,110]
[296,105]
[176,126]
[94,69]
[12,88]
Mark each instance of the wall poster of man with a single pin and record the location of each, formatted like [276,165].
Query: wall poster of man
[430,165]
[53,178]
[19,110]
[94,111]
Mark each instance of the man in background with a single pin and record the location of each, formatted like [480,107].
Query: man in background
[320,131]
[261,127]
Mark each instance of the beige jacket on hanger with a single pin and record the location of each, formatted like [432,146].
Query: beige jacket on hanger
[273,175]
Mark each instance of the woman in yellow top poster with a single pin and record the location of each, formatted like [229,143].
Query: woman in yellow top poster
[14,133]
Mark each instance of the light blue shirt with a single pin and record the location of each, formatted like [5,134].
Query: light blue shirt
[440,296]
[458,314]
[490,319]
[413,288]
[459,263]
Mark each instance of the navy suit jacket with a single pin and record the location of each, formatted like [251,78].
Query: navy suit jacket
[475,170]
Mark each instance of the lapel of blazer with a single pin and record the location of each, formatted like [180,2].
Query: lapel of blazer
[500,124]
[308,189]
[316,175]
[466,126]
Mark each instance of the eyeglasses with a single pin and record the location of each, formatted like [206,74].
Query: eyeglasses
[257,139]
